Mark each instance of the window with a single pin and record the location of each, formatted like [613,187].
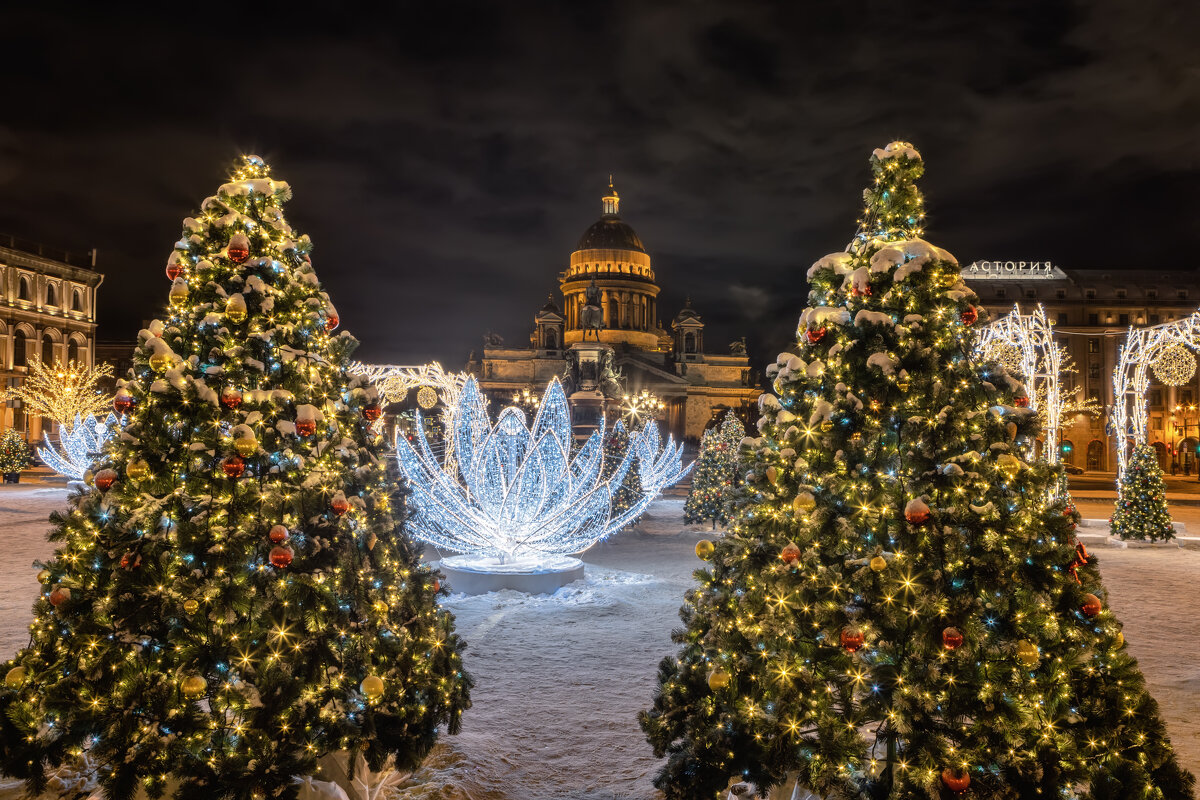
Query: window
[1185,397]
[1031,294]
[51,295]
[1154,397]
[72,350]
[1001,291]
[1181,294]
[76,301]
[1089,294]
[1062,318]
[47,349]
[1152,294]
[1156,422]
[1093,345]
[1094,371]
[23,289]
[1122,319]
[1154,319]
[1093,319]
[1121,294]
[19,349]
[1061,294]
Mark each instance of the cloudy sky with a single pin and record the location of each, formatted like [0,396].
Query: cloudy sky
[445,157]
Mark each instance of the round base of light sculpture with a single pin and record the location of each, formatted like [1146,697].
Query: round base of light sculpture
[471,574]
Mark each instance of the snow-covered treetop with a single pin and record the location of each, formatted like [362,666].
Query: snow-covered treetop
[894,149]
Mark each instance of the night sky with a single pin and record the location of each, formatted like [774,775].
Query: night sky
[445,157]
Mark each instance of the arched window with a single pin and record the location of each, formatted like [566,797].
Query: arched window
[47,349]
[689,342]
[23,289]
[51,295]
[77,301]
[19,348]
[72,350]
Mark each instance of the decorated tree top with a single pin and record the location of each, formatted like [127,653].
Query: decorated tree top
[234,596]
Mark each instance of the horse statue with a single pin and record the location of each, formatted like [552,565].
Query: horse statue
[591,317]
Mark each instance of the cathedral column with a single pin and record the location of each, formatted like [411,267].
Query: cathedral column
[605,308]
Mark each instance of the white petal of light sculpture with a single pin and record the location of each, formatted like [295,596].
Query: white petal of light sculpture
[515,501]
[81,445]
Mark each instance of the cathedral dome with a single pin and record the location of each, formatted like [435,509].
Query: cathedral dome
[609,232]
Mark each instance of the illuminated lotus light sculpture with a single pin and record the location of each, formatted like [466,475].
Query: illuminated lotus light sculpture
[80,446]
[515,502]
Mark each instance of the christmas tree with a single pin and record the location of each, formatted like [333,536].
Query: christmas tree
[616,444]
[1141,507]
[900,609]
[14,453]
[234,597]
[715,473]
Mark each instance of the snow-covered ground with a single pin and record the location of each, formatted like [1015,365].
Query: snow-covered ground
[561,679]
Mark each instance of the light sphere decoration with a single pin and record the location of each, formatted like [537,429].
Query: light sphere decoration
[79,447]
[1175,365]
[515,501]
[426,397]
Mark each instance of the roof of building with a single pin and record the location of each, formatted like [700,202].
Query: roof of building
[610,233]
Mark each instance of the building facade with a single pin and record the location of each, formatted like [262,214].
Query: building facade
[611,262]
[47,312]
[1092,310]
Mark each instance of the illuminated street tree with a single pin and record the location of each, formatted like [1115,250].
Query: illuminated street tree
[64,392]
[899,610]
[234,597]
[1141,507]
[714,477]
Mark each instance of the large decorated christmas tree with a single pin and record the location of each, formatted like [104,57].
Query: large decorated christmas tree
[1141,508]
[900,609]
[234,597]
[715,475]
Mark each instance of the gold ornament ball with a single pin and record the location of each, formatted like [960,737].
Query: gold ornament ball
[1009,463]
[718,679]
[235,311]
[372,687]
[1174,365]
[88,477]
[878,564]
[43,576]
[179,295]
[1120,639]
[705,548]
[772,474]
[193,686]
[826,426]
[804,503]
[902,385]
[161,362]
[246,446]
[191,606]
[1027,653]
[426,397]
[137,469]
[15,677]
[381,607]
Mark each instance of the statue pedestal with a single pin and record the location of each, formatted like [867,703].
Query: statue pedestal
[588,402]
[483,574]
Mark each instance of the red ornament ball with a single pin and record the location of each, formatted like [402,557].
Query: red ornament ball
[1021,402]
[1091,605]
[104,479]
[815,335]
[340,505]
[306,427]
[59,595]
[969,315]
[955,781]
[233,466]
[437,586]
[952,638]
[790,554]
[239,248]
[372,412]
[174,271]
[917,517]
[332,321]
[123,402]
[231,398]
[126,560]
[278,534]
[281,556]
[852,639]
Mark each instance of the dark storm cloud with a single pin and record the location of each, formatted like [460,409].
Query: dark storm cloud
[445,157]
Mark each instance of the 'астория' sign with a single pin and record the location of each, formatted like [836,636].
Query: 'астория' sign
[1024,270]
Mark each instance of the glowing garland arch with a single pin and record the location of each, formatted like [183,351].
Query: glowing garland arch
[395,382]
[1039,364]
[1142,348]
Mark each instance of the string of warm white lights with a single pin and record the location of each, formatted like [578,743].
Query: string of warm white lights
[395,382]
[1146,349]
[517,492]
[81,444]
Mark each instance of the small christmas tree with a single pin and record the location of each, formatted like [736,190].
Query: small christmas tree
[234,597]
[615,446]
[715,474]
[14,453]
[1141,507]
[900,609]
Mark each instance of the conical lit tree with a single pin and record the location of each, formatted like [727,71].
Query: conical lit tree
[900,609]
[1141,507]
[235,597]
[715,474]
